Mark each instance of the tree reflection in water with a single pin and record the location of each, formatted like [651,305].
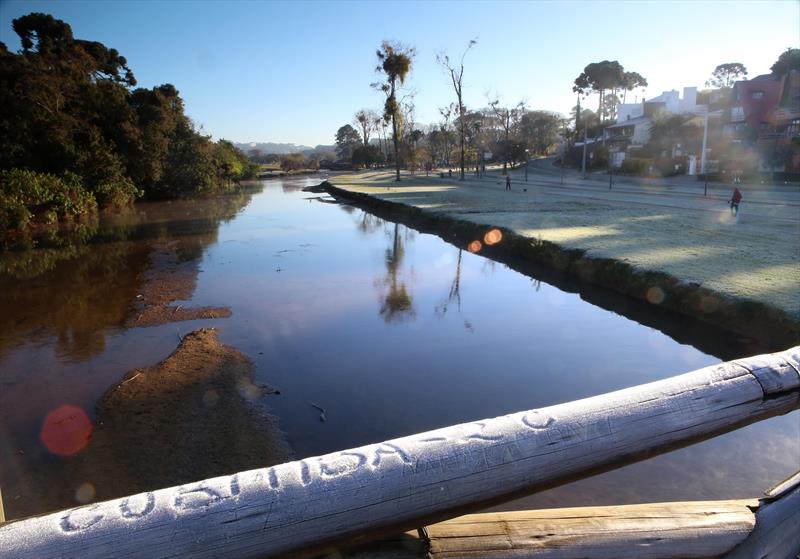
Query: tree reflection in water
[396,303]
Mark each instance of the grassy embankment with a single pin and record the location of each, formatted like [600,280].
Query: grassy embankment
[685,254]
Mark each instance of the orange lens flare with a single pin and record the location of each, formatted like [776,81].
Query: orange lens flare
[474,246]
[66,430]
[493,237]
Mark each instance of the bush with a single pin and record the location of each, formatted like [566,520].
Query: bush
[28,195]
[293,162]
[639,166]
[669,167]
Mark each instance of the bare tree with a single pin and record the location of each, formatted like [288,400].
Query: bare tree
[365,120]
[507,117]
[456,74]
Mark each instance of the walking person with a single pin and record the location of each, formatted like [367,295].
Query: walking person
[736,198]
[508,182]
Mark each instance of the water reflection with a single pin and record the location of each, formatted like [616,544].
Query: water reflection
[87,286]
[455,291]
[396,302]
[312,331]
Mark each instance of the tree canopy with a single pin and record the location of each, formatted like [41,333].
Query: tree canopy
[725,75]
[69,113]
[347,139]
[607,76]
[788,60]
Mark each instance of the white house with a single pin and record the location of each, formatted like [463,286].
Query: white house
[632,129]
[668,102]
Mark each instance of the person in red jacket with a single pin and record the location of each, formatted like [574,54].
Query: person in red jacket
[736,197]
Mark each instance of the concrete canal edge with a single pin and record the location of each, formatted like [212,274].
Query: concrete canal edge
[770,326]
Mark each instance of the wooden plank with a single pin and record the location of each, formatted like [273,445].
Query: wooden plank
[652,531]
[400,484]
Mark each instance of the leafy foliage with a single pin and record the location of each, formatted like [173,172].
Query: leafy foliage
[347,139]
[28,195]
[68,113]
[787,61]
[367,156]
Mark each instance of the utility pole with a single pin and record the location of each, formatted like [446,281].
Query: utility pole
[564,149]
[527,160]
[583,165]
[705,141]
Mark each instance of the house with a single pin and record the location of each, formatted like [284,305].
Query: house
[765,111]
[669,102]
[632,129]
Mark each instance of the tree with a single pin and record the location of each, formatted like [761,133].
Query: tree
[630,81]
[293,162]
[456,74]
[724,75]
[507,117]
[788,60]
[599,77]
[540,129]
[366,156]
[347,139]
[394,61]
[68,108]
[668,130]
[367,120]
[610,104]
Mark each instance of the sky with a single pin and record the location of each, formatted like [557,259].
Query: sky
[297,71]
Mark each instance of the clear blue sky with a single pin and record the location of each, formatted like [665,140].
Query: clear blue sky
[296,71]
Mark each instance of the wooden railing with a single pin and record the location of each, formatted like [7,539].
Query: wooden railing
[401,484]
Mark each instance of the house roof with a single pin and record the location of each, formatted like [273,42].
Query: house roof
[631,122]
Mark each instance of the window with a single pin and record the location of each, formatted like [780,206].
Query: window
[757,94]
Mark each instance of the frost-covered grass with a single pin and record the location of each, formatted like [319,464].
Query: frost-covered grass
[692,238]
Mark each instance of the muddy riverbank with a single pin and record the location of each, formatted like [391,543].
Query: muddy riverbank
[763,327]
[192,416]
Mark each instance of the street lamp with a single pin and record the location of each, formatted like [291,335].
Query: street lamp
[527,160]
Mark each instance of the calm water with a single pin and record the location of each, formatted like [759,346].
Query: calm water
[390,330]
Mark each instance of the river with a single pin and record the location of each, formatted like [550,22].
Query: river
[389,330]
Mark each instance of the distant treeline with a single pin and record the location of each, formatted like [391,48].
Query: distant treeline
[75,133]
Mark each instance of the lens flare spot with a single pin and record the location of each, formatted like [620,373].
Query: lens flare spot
[85,493]
[66,430]
[474,246]
[493,237]
[655,295]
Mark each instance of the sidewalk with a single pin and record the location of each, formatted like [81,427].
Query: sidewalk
[693,238]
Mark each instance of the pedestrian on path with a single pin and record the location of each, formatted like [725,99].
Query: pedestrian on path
[736,197]
[508,182]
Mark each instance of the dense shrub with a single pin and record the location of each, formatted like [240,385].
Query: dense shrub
[638,166]
[27,196]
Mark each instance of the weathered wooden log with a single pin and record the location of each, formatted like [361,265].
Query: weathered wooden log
[406,482]
[777,531]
